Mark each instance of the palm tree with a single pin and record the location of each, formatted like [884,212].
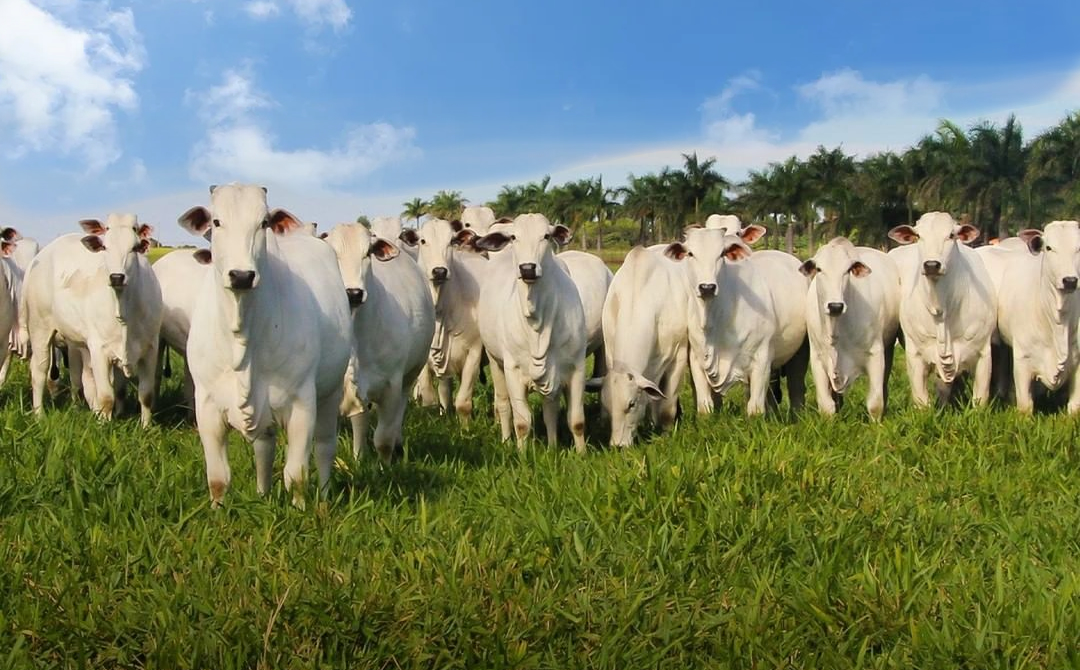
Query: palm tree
[599,203]
[415,208]
[700,179]
[998,168]
[829,172]
[447,205]
[509,202]
[1053,172]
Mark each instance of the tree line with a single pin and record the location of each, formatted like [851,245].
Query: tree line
[985,174]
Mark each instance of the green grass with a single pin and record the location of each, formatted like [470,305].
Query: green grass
[934,540]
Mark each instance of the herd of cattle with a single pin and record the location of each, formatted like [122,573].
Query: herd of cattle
[282,327]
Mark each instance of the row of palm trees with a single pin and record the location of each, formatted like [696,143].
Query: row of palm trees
[985,174]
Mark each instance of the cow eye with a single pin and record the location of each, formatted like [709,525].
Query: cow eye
[952,236]
[423,241]
[630,405]
[217,223]
[1048,248]
[468,225]
[266,222]
[513,237]
[547,236]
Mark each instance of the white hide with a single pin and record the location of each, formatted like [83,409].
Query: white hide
[948,315]
[393,320]
[273,353]
[645,342]
[592,278]
[864,284]
[478,219]
[69,298]
[179,273]
[533,327]
[389,228]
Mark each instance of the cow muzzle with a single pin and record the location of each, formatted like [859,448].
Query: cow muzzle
[528,272]
[1068,284]
[241,280]
[932,268]
[117,280]
[707,290]
[439,275]
[356,296]
[835,308]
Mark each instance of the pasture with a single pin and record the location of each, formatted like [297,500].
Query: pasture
[933,540]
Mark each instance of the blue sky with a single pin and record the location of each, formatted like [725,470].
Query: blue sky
[349,106]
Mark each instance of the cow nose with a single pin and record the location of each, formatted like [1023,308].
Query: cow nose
[439,274]
[835,308]
[931,267]
[706,290]
[528,271]
[241,279]
[1069,284]
[356,296]
[116,280]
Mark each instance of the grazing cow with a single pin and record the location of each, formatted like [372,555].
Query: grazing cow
[1039,309]
[747,319]
[98,295]
[947,306]
[592,278]
[393,321]
[455,275]
[645,342]
[269,339]
[533,327]
[177,273]
[852,315]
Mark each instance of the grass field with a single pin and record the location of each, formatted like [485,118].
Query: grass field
[935,540]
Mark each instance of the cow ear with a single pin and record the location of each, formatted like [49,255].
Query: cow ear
[93,243]
[492,242]
[676,251]
[323,236]
[859,269]
[752,233]
[144,231]
[264,190]
[464,238]
[736,252]
[282,221]
[141,246]
[409,236]
[10,235]
[92,226]
[650,389]
[383,250]
[1033,238]
[562,235]
[203,256]
[196,220]
[213,187]
[967,233]
[6,248]
[457,226]
[809,268]
[903,234]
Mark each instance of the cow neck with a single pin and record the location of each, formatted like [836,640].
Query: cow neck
[1054,310]
[238,308]
[939,297]
[439,354]
[532,300]
[718,317]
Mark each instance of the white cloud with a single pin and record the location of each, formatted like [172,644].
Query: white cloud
[262,9]
[724,126]
[238,145]
[64,74]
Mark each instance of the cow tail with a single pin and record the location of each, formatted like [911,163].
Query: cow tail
[168,360]
[54,364]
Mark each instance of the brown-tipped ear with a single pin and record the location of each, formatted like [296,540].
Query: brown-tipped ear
[562,235]
[93,243]
[92,226]
[323,236]
[464,238]
[196,220]
[676,251]
[282,221]
[144,231]
[141,246]
[967,233]
[383,250]
[9,234]
[752,233]
[859,269]
[1033,238]
[809,268]
[505,219]
[457,226]
[409,236]
[903,234]
[203,257]
[737,252]
[6,248]
[492,242]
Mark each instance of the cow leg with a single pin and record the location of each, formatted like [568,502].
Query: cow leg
[575,407]
[391,417]
[795,371]
[300,431]
[212,428]
[916,368]
[822,388]
[149,381]
[875,378]
[463,401]
[445,391]
[40,360]
[501,400]
[424,390]
[551,418]
[668,408]
[1074,392]
[102,370]
[759,385]
[1022,381]
[5,365]
[702,391]
[889,354]
[359,423]
[189,389]
[980,391]
[325,431]
[265,445]
[518,394]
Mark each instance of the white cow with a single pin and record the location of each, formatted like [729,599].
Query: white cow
[592,277]
[18,260]
[645,341]
[478,219]
[747,315]
[177,273]
[455,275]
[533,327]
[1039,309]
[393,321]
[269,340]
[98,295]
[389,228]
[947,306]
[10,283]
[852,316]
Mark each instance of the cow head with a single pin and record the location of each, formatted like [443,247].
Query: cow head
[436,240]
[478,219]
[831,269]
[240,222]
[705,251]
[120,239]
[532,240]
[1059,244]
[355,246]
[626,395]
[937,235]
